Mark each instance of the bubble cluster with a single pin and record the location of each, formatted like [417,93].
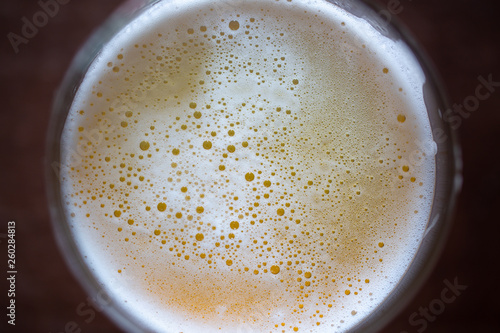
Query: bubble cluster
[246,161]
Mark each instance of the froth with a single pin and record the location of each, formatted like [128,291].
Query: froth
[241,167]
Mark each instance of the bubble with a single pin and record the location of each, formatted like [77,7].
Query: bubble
[234,225]
[200,209]
[275,269]
[192,105]
[162,206]
[401,118]
[267,183]
[234,25]
[175,151]
[197,114]
[207,144]
[231,149]
[199,237]
[249,176]
[144,145]
[280,211]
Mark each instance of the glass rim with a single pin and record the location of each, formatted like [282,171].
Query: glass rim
[425,257]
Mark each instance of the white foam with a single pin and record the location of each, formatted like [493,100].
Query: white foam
[334,125]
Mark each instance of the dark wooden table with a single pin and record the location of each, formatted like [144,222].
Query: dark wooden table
[461,37]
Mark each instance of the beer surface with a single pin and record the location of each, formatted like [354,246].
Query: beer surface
[242,167]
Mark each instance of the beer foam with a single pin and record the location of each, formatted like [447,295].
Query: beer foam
[248,168]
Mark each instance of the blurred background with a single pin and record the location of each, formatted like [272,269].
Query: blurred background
[461,38]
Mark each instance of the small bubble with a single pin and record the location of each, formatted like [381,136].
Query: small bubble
[385,70]
[175,151]
[249,176]
[380,244]
[401,118]
[280,211]
[200,237]
[162,206]
[197,114]
[200,209]
[275,269]
[192,105]
[229,262]
[267,183]
[231,149]
[117,213]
